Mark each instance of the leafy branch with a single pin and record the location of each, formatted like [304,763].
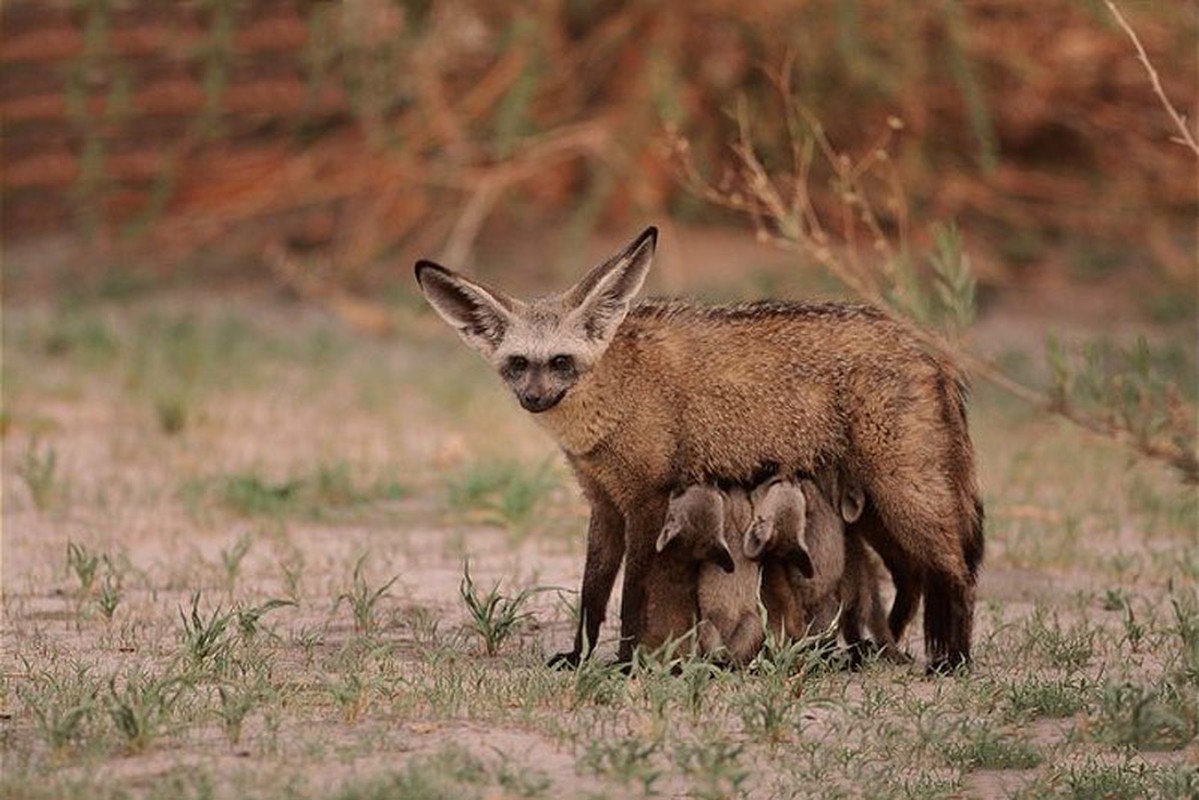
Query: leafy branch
[1125,399]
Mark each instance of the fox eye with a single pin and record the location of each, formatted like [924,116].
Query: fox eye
[516,364]
[562,363]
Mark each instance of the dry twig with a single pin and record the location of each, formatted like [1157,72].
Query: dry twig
[796,226]
[1187,136]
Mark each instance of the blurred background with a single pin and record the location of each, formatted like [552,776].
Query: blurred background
[323,146]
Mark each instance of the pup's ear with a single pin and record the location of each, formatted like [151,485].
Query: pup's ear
[719,555]
[800,560]
[670,530]
[600,301]
[757,538]
[480,315]
[853,501]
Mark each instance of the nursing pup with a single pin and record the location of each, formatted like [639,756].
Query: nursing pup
[815,571]
[708,525]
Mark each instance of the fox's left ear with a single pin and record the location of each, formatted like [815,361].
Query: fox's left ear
[600,301]
[480,315]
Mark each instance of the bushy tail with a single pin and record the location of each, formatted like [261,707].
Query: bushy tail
[956,395]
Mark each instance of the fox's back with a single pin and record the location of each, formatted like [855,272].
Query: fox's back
[765,384]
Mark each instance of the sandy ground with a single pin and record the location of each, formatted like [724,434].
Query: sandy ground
[319,448]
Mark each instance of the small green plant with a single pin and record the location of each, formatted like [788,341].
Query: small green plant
[1160,717]
[38,469]
[1127,780]
[248,618]
[293,576]
[231,558]
[84,565]
[598,682]
[205,638]
[235,704]
[628,759]
[493,616]
[982,747]
[63,707]
[1185,605]
[110,595]
[141,705]
[362,599]
[350,692]
[1065,647]
[1037,696]
[714,767]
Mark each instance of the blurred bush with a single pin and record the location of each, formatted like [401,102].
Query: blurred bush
[378,129]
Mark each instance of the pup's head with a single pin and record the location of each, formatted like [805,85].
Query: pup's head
[778,523]
[695,518]
[542,347]
[780,518]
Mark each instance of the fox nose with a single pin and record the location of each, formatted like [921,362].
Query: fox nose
[537,403]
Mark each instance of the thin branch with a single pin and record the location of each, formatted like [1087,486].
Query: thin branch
[783,227]
[1187,137]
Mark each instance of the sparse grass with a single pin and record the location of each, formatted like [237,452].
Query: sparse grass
[362,598]
[231,558]
[83,565]
[109,597]
[226,640]
[981,746]
[39,471]
[140,705]
[328,491]
[1037,696]
[629,760]
[493,616]
[505,493]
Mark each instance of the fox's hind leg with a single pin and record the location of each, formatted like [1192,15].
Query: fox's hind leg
[919,540]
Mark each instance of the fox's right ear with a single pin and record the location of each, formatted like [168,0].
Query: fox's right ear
[480,315]
[600,301]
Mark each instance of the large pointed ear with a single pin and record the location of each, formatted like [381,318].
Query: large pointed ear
[600,301]
[853,500]
[480,315]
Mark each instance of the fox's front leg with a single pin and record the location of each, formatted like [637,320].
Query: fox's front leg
[605,549]
[642,526]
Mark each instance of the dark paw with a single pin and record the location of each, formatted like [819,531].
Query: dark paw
[568,660]
[945,666]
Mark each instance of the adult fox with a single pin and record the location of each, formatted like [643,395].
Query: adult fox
[648,397]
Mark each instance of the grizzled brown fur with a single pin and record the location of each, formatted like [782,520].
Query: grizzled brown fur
[663,394]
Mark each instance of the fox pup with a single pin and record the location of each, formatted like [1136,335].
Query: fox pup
[700,518]
[814,570]
[646,397]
